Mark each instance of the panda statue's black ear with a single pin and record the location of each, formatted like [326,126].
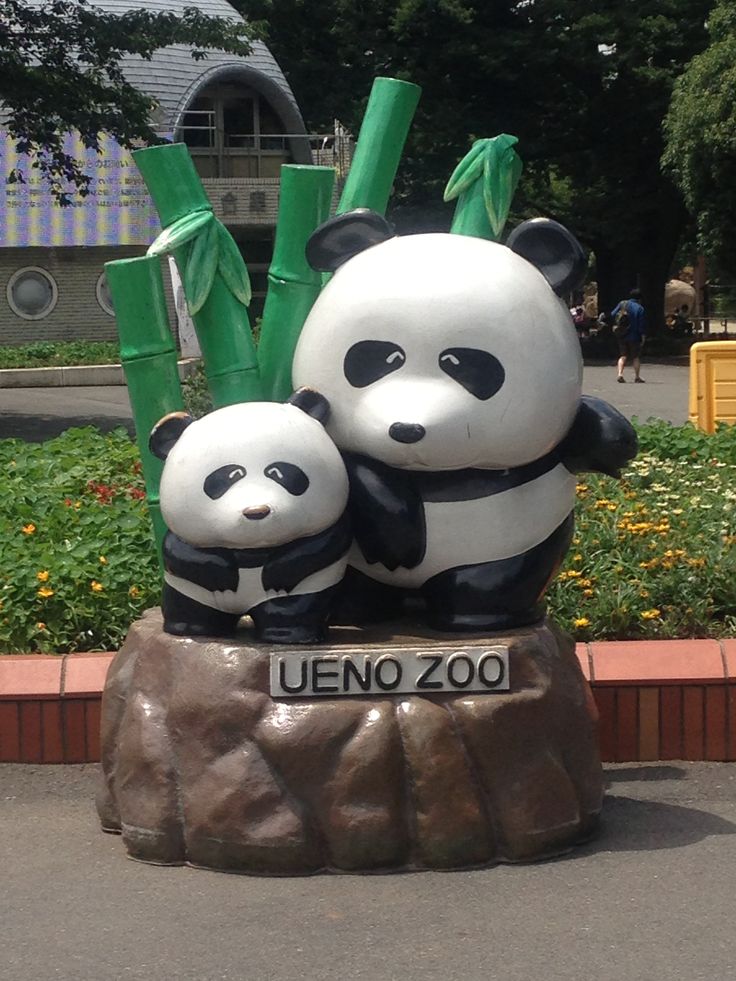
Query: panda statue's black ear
[342,237]
[166,432]
[311,402]
[554,250]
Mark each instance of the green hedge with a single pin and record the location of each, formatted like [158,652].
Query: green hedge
[48,354]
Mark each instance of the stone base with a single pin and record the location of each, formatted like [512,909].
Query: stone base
[201,766]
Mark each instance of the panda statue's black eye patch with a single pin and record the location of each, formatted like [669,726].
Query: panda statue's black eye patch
[367,361]
[477,371]
[222,479]
[292,478]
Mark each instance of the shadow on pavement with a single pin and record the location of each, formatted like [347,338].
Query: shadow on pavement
[36,429]
[626,773]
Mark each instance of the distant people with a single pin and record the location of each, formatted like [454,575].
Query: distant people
[579,319]
[629,329]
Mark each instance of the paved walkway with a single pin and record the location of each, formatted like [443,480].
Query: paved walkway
[39,413]
[650,900]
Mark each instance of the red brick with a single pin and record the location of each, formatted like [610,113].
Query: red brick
[581,650]
[84,674]
[605,699]
[693,723]
[75,741]
[731,722]
[92,713]
[627,725]
[657,662]
[30,676]
[649,724]
[31,746]
[729,656]
[715,723]
[670,723]
[52,747]
[9,732]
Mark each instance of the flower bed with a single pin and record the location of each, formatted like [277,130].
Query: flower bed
[654,556]
[49,354]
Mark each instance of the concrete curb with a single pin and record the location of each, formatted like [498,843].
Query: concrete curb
[657,700]
[76,375]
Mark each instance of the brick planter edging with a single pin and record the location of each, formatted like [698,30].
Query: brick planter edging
[657,700]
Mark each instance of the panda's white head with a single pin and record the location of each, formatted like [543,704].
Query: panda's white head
[250,476]
[440,351]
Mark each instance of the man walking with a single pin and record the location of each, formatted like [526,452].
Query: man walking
[630,334]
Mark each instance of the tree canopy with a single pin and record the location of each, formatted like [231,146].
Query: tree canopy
[584,87]
[60,71]
[701,139]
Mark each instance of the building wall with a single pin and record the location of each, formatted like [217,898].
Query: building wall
[77,314]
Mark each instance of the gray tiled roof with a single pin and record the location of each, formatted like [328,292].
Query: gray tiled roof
[172,76]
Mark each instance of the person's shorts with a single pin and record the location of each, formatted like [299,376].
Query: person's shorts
[629,349]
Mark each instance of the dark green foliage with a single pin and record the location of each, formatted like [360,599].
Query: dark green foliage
[701,140]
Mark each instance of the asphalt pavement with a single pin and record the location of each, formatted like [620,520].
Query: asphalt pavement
[35,414]
[651,899]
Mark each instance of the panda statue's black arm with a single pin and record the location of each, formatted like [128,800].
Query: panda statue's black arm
[600,439]
[212,568]
[387,513]
[288,565]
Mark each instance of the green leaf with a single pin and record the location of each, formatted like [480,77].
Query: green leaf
[467,171]
[180,232]
[501,171]
[200,268]
[232,268]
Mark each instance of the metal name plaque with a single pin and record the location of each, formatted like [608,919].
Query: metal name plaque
[388,671]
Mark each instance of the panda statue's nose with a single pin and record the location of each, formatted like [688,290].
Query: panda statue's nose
[257,512]
[406,432]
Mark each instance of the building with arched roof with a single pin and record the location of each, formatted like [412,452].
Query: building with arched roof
[241,122]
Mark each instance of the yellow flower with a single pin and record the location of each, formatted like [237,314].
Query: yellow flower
[573,573]
[584,583]
[40,625]
[644,593]
[44,592]
[96,587]
[28,529]
[43,575]
[587,592]
[581,622]
[577,558]
[103,560]
[134,592]
[650,614]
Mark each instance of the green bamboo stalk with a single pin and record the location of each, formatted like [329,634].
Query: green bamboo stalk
[148,355]
[293,286]
[484,183]
[213,273]
[385,126]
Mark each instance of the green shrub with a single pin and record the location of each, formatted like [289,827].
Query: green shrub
[47,354]
[77,563]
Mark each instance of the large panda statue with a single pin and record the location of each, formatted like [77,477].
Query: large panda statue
[453,374]
[254,497]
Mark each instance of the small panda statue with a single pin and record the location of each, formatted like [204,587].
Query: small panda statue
[254,496]
[453,373]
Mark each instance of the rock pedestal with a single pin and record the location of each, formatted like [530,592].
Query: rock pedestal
[203,766]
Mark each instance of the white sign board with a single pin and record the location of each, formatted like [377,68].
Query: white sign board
[389,671]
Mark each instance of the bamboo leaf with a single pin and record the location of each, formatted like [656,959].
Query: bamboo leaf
[501,171]
[467,171]
[200,269]
[180,232]
[231,266]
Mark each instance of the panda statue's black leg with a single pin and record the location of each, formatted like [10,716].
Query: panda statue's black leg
[497,595]
[186,617]
[361,600]
[298,619]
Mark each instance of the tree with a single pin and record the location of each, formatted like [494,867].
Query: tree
[60,71]
[700,133]
[584,87]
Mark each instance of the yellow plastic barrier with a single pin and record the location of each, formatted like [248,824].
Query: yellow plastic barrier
[712,384]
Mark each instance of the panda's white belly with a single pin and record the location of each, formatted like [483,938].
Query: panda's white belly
[250,591]
[483,530]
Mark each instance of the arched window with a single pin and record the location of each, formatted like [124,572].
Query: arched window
[232,131]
